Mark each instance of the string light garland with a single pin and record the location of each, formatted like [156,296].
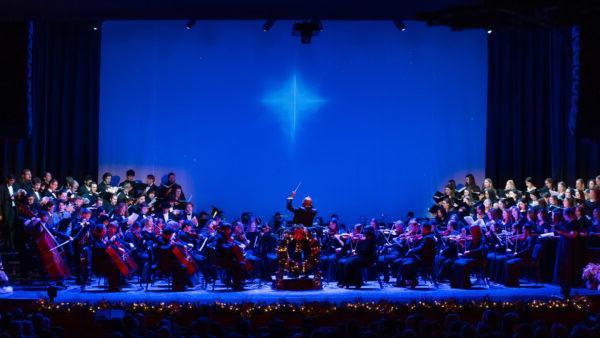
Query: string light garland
[249,309]
[299,238]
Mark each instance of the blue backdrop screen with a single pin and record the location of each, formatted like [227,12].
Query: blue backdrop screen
[371,120]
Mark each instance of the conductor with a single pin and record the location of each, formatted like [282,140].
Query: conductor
[305,214]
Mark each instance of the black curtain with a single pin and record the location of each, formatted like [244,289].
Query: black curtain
[63,103]
[532,104]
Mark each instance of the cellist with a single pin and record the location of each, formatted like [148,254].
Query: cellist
[168,263]
[101,261]
[44,240]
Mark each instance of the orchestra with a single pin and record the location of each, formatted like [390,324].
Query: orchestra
[126,230]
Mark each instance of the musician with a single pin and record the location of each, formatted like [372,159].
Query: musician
[188,215]
[472,257]
[331,248]
[194,241]
[167,212]
[471,185]
[522,256]
[43,237]
[449,251]
[25,181]
[81,248]
[278,222]
[566,267]
[127,193]
[422,254]
[305,214]
[363,255]
[594,230]
[233,264]
[393,249]
[105,188]
[102,263]
[149,186]
[169,188]
[266,245]
[8,212]
[168,262]
[129,178]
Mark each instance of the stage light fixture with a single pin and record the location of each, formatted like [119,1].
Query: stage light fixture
[268,25]
[490,31]
[307,29]
[190,24]
[400,25]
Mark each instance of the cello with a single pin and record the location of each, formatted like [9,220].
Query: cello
[183,256]
[52,260]
[116,258]
[238,253]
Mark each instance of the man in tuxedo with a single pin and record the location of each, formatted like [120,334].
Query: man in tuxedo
[421,255]
[8,212]
[305,214]
[169,188]
[25,181]
[188,215]
[149,186]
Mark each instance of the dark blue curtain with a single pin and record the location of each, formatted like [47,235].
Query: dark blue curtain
[532,103]
[63,103]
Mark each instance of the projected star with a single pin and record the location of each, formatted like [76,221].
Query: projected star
[293,104]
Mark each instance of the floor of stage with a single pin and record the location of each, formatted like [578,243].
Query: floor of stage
[330,293]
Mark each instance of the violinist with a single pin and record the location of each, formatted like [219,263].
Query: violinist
[168,262]
[363,255]
[234,265]
[391,251]
[331,248]
[496,251]
[266,245]
[448,252]
[422,254]
[521,256]
[472,257]
[101,261]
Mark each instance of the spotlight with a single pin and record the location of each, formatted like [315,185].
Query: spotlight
[490,31]
[94,28]
[190,24]
[307,29]
[400,25]
[268,25]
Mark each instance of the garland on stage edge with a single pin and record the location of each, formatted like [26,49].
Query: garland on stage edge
[286,263]
[249,309]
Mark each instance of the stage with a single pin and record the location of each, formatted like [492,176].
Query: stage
[371,292]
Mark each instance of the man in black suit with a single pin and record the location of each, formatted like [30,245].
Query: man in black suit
[170,187]
[421,255]
[8,212]
[25,181]
[305,214]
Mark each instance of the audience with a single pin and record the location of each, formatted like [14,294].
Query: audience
[492,324]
